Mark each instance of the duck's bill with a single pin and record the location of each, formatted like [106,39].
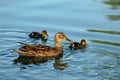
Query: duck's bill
[69,40]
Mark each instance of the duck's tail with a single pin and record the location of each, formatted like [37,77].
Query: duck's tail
[21,53]
[22,43]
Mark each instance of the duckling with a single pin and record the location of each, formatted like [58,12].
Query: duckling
[37,35]
[44,37]
[44,50]
[77,45]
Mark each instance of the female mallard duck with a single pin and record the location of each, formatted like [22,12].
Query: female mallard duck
[43,50]
[76,45]
[37,35]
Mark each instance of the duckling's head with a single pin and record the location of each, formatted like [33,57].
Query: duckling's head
[44,33]
[83,42]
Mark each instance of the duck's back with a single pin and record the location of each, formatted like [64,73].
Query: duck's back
[38,50]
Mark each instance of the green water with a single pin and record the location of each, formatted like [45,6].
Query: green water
[97,21]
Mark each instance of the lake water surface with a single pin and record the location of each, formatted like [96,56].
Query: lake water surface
[97,21]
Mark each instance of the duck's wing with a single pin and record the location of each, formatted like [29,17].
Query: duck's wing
[34,47]
[26,45]
[36,50]
[23,43]
[42,47]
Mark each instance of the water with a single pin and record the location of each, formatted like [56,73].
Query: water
[97,21]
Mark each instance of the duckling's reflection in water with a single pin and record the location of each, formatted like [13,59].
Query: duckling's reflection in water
[39,60]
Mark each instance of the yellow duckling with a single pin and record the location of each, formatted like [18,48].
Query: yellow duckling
[44,51]
[37,35]
[77,45]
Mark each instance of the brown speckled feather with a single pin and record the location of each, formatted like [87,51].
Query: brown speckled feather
[38,50]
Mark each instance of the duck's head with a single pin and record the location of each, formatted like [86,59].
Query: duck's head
[44,34]
[61,36]
[83,42]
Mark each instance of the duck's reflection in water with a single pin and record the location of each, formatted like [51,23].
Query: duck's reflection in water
[59,65]
[39,60]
